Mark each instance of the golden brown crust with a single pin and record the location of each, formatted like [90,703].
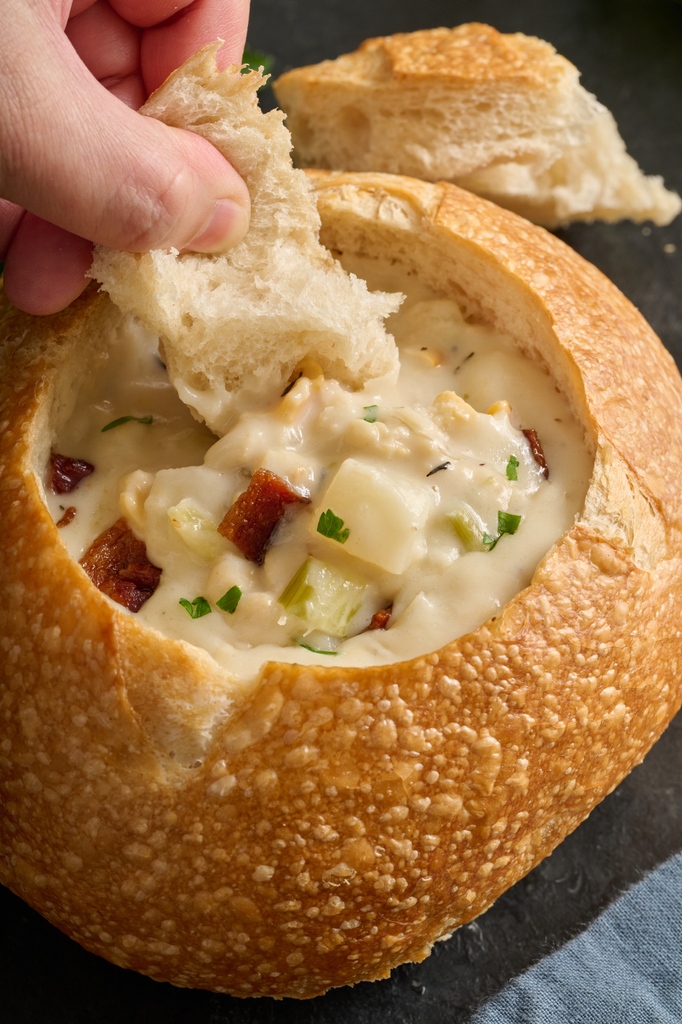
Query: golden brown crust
[468,53]
[342,821]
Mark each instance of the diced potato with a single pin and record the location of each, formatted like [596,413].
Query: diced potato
[385,514]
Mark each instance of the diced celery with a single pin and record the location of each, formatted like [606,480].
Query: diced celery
[323,597]
[196,530]
[469,527]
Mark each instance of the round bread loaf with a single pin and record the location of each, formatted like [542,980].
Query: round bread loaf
[337,822]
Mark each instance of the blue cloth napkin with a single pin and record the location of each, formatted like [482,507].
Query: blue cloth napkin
[625,968]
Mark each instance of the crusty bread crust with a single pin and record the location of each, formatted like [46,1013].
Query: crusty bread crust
[338,822]
[502,115]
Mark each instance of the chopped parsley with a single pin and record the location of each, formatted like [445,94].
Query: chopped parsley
[330,525]
[127,419]
[229,601]
[197,608]
[512,466]
[507,522]
[371,413]
[255,59]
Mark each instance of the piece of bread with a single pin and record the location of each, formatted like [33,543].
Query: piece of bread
[334,823]
[276,298]
[501,115]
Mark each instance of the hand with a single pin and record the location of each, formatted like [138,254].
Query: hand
[79,165]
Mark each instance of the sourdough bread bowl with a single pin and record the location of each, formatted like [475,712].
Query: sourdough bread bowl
[332,823]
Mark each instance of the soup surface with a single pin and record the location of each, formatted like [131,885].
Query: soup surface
[328,525]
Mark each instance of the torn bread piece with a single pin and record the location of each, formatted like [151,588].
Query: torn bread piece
[235,324]
[504,116]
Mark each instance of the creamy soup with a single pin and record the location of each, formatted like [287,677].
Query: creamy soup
[417,506]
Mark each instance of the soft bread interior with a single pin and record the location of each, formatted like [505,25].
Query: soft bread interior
[502,115]
[243,321]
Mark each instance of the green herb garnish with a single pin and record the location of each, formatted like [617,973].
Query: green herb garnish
[330,525]
[256,59]
[371,413]
[507,522]
[229,601]
[316,650]
[196,608]
[127,419]
[512,466]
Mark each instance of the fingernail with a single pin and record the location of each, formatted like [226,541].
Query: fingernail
[227,226]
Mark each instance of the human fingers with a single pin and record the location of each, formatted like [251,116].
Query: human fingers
[132,62]
[45,266]
[140,184]
[173,32]
[10,216]
[109,46]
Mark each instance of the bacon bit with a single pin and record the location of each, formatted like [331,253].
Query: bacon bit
[66,473]
[117,564]
[536,450]
[251,519]
[68,517]
[381,619]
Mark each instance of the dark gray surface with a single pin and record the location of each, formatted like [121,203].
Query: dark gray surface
[630,53]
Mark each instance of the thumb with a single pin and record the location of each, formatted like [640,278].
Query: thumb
[75,155]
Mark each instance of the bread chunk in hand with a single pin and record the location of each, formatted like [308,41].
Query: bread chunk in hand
[239,323]
[504,116]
